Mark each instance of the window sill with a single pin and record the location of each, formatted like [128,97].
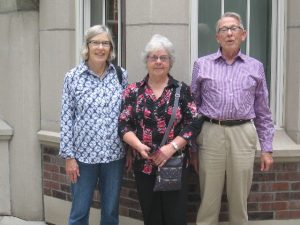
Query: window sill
[285,149]
[49,138]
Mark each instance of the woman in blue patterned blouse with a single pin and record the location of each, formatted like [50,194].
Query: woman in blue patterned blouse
[90,143]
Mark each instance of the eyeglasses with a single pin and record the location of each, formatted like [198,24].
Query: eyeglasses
[162,58]
[233,29]
[105,44]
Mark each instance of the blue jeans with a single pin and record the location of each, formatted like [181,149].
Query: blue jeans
[109,177]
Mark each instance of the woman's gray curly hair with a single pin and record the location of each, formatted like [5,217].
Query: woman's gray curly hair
[156,43]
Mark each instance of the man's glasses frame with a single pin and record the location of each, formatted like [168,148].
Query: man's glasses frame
[233,29]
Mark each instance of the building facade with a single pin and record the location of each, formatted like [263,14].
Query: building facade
[40,42]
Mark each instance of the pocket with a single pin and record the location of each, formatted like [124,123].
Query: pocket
[252,134]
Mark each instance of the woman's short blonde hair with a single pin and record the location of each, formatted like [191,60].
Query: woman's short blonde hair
[92,32]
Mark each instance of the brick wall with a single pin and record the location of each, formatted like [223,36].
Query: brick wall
[274,194]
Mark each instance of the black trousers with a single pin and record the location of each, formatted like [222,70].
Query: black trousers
[164,207]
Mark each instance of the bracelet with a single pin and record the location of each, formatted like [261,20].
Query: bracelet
[175,146]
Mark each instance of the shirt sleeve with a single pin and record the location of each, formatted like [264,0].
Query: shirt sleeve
[126,119]
[263,120]
[67,120]
[192,121]
[194,85]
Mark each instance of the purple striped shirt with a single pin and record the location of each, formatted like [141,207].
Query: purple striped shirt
[232,92]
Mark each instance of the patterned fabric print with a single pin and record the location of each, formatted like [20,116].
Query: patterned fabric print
[148,117]
[89,116]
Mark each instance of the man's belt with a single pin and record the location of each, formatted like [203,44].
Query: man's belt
[228,123]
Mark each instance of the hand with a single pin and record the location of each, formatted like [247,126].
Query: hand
[72,170]
[266,160]
[143,150]
[129,160]
[194,161]
[161,156]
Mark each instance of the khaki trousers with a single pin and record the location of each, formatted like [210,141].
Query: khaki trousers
[225,152]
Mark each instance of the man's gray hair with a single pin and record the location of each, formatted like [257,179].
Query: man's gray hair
[233,15]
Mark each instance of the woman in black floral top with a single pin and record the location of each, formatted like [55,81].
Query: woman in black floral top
[146,110]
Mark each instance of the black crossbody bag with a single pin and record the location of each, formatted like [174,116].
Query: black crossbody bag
[168,177]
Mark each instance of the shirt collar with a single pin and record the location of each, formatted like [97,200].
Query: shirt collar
[83,67]
[219,56]
[171,81]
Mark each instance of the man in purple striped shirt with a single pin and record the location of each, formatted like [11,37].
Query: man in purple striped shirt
[231,94]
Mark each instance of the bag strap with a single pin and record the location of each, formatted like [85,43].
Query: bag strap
[119,73]
[172,119]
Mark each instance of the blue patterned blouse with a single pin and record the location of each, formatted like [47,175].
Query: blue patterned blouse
[89,115]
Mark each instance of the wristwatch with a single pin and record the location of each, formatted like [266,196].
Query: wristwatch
[175,146]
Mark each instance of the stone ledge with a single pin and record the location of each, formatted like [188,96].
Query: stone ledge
[285,149]
[6,131]
[49,138]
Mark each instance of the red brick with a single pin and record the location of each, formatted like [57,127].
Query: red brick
[59,178]
[58,194]
[130,203]
[266,206]
[264,176]
[260,197]
[260,215]
[47,191]
[295,195]
[51,167]
[96,195]
[123,211]
[46,158]
[282,215]
[282,176]
[62,170]
[294,205]
[280,206]
[265,187]
[253,206]
[295,214]
[283,196]
[284,167]
[47,175]
[280,186]
[51,185]
[125,192]
[65,188]
[290,176]
[296,186]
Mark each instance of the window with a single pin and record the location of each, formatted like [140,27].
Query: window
[264,21]
[108,12]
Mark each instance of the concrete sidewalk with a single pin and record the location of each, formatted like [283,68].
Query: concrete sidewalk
[9,220]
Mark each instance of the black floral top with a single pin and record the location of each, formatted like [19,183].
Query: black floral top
[148,117]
